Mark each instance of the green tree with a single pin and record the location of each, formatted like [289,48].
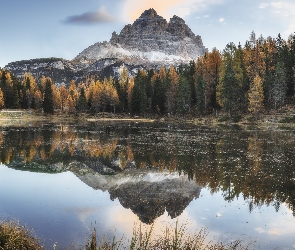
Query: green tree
[230,84]
[279,86]
[81,104]
[159,94]
[48,105]
[183,96]
[200,94]
[139,96]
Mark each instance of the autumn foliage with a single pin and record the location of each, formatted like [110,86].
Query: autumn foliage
[251,78]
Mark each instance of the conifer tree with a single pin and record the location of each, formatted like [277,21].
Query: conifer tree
[279,86]
[81,105]
[230,83]
[183,96]
[38,99]
[48,105]
[139,96]
[200,94]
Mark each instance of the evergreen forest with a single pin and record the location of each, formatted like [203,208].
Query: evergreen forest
[249,79]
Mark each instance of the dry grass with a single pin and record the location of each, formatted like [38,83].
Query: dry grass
[13,236]
[173,238]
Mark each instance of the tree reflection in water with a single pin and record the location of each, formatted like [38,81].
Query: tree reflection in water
[257,165]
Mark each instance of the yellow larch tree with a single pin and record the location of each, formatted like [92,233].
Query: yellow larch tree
[70,104]
[173,80]
[38,99]
[63,97]
[130,87]
[256,96]
[97,90]
[1,99]
[73,92]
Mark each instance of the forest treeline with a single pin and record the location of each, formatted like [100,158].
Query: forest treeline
[241,79]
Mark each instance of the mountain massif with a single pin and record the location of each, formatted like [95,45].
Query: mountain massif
[150,42]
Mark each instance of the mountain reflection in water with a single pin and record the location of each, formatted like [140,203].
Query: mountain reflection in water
[128,160]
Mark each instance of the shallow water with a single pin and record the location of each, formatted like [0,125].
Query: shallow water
[237,183]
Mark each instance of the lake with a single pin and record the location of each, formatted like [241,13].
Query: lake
[64,180]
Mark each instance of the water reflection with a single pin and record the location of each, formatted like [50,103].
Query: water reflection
[132,161]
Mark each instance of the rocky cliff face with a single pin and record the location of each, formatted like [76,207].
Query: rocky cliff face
[150,42]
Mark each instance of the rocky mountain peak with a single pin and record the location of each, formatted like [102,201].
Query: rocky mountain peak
[152,38]
[179,28]
[176,19]
[150,42]
[150,13]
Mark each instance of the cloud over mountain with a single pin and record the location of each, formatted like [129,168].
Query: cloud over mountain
[100,16]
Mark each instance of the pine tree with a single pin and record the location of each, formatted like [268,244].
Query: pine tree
[48,105]
[200,94]
[38,99]
[229,86]
[183,96]
[279,86]
[139,96]
[81,104]
[159,94]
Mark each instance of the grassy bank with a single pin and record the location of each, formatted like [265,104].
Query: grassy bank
[29,117]
[13,236]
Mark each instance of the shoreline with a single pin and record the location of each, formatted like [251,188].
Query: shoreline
[23,117]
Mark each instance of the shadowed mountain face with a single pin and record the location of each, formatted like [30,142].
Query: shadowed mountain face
[150,42]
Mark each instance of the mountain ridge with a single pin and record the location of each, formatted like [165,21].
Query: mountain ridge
[149,43]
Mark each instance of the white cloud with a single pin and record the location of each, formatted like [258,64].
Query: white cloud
[263,5]
[285,11]
[166,8]
[221,20]
[279,5]
[260,230]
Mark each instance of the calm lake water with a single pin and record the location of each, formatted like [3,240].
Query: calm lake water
[63,180]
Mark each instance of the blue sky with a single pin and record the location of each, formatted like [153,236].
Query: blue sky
[63,28]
